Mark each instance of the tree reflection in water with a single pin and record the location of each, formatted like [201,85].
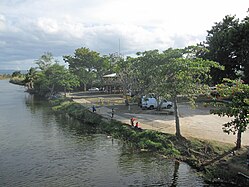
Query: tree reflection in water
[175,174]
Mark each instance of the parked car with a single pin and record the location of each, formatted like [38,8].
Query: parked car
[151,103]
[166,104]
[93,89]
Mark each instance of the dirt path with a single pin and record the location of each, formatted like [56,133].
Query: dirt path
[198,123]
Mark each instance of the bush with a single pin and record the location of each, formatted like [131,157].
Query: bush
[150,145]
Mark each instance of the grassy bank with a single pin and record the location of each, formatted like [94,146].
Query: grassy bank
[215,160]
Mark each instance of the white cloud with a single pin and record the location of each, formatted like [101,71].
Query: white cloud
[28,28]
[2,23]
[48,25]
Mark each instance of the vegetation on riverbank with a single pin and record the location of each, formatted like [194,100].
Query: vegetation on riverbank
[141,140]
[17,80]
[215,160]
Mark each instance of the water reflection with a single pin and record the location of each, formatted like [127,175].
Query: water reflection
[175,174]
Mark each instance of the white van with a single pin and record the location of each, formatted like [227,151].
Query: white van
[151,103]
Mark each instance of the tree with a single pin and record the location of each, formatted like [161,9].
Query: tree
[227,43]
[50,78]
[45,61]
[221,43]
[56,78]
[242,51]
[144,70]
[237,107]
[16,74]
[30,77]
[86,64]
[183,76]
[125,73]
[102,69]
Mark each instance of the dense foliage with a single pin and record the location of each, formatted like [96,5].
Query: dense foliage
[50,78]
[237,106]
[17,78]
[88,66]
[228,43]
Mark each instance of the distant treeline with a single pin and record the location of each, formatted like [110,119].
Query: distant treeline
[5,76]
[8,74]
[10,71]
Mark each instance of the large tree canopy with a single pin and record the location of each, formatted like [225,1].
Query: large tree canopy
[227,43]
[183,76]
[56,78]
[144,68]
[243,48]
[88,65]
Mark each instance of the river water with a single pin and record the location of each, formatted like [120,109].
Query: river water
[38,148]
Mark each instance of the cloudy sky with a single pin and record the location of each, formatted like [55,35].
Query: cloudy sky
[28,28]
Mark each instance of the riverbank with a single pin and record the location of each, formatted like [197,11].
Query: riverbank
[217,161]
[17,80]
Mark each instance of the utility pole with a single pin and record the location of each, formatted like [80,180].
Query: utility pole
[119,47]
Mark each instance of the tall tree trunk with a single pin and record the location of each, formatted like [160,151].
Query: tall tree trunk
[31,84]
[65,92]
[178,131]
[84,86]
[51,91]
[238,142]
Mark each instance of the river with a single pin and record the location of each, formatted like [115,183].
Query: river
[38,148]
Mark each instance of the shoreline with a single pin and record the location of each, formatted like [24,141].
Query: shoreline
[214,161]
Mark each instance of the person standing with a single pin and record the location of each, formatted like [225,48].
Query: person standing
[94,109]
[137,126]
[112,113]
[132,121]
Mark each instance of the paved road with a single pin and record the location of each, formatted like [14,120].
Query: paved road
[198,122]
